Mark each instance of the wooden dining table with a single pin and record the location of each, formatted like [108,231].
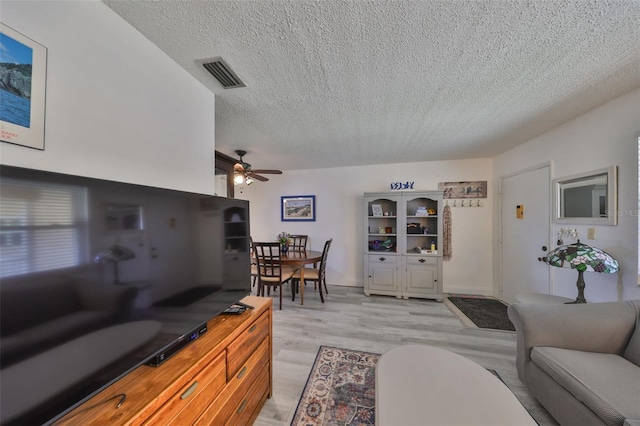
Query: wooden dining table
[300,259]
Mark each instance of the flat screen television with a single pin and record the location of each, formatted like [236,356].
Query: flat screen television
[98,277]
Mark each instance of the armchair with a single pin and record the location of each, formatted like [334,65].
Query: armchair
[582,362]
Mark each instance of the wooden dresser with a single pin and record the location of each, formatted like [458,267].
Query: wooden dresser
[223,377]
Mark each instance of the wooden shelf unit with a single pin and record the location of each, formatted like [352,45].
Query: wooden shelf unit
[223,377]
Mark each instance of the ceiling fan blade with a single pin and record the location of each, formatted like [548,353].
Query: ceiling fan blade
[238,167]
[252,175]
[267,172]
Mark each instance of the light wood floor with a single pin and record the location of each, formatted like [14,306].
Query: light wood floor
[351,320]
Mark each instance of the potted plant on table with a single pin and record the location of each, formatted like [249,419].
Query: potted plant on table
[283,239]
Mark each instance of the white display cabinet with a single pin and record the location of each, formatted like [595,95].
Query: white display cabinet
[403,234]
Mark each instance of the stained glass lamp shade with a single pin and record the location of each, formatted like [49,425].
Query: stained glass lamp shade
[582,258]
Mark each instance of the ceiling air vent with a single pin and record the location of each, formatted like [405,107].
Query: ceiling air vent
[223,73]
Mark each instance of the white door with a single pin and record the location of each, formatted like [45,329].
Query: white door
[524,239]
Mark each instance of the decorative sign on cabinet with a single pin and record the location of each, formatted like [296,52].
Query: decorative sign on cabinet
[401,254]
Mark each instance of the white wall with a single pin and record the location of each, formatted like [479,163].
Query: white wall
[601,138]
[116,106]
[119,108]
[339,212]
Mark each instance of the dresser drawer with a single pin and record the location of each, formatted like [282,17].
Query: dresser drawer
[240,349]
[237,389]
[187,404]
[422,260]
[246,409]
[382,258]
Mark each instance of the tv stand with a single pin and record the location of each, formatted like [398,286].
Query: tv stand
[224,376]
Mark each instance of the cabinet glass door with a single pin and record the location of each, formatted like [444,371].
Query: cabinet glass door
[422,225]
[382,225]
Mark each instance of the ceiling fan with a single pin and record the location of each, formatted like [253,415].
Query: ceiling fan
[244,172]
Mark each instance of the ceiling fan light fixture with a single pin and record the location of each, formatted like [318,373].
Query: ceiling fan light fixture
[244,173]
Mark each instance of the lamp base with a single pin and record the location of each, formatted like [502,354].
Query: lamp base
[580,284]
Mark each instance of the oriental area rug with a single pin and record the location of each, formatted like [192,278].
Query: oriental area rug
[340,389]
[484,312]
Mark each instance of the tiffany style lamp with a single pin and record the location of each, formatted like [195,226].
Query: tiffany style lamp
[115,254]
[582,258]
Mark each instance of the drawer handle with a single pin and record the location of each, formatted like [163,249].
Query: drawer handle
[189,391]
[382,259]
[242,372]
[253,328]
[421,260]
[242,407]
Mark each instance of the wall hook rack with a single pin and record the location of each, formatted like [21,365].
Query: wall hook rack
[469,204]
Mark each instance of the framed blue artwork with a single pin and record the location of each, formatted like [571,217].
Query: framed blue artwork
[23,63]
[298,208]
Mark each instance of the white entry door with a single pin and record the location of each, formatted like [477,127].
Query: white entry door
[524,239]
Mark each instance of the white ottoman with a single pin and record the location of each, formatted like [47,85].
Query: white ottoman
[425,385]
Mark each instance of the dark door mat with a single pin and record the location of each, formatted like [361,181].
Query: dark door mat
[485,313]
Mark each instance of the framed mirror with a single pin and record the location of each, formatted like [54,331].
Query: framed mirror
[124,218]
[586,198]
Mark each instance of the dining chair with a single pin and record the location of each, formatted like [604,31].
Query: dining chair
[271,273]
[318,275]
[298,242]
[254,264]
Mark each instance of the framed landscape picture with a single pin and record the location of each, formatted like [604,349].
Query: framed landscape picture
[23,67]
[298,208]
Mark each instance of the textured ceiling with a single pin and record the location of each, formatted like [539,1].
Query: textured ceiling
[333,83]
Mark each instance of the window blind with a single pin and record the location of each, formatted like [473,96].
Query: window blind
[43,226]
